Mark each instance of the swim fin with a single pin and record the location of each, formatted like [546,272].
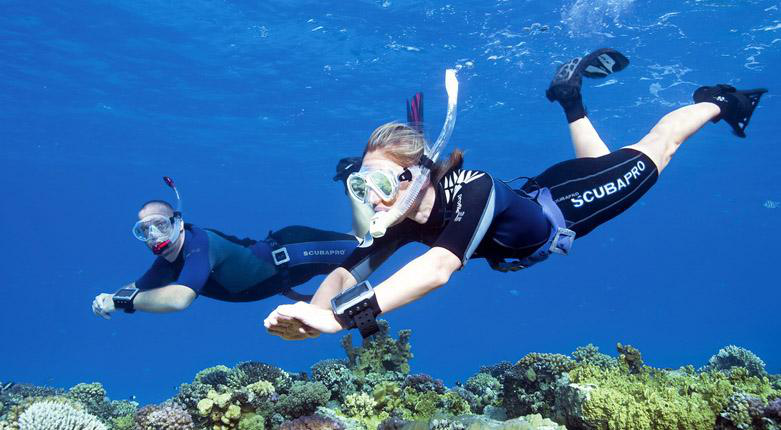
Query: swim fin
[598,64]
[736,106]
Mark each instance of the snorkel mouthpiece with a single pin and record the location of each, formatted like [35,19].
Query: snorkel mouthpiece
[381,221]
[160,247]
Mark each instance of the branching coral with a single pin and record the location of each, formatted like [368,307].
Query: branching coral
[486,389]
[423,382]
[166,416]
[50,415]
[630,357]
[379,353]
[335,375]
[303,399]
[529,387]
[214,376]
[733,356]
[590,354]
[312,423]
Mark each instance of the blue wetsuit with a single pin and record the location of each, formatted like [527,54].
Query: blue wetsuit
[475,216]
[227,268]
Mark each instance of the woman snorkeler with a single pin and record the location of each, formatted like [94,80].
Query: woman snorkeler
[462,214]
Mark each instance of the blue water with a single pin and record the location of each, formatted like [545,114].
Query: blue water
[249,105]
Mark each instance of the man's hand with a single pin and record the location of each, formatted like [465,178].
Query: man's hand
[103,305]
[300,321]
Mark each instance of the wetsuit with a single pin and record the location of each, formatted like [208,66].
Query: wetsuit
[476,216]
[227,268]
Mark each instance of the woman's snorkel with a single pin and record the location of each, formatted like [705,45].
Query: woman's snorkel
[367,224]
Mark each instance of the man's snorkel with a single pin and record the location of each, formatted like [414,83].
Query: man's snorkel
[161,246]
[367,224]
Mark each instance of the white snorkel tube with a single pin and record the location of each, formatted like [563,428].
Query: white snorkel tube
[380,222]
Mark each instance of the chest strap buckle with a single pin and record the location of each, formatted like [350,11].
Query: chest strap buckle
[562,241]
[280,256]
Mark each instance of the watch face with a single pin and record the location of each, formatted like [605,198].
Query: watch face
[351,294]
[125,293]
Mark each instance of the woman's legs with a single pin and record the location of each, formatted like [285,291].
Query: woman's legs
[672,130]
[586,140]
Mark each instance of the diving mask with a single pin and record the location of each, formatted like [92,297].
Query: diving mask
[158,230]
[161,231]
[382,181]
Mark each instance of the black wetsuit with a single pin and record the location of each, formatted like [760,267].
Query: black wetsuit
[227,268]
[477,216]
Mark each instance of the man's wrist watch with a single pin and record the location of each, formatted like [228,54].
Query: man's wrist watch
[123,299]
[357,307]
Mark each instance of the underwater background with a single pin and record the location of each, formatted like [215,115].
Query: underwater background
[249,105]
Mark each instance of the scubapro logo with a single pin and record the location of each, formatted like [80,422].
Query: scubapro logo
[459,213]
[610,187]
[324,252]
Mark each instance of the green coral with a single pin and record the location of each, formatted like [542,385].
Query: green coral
[335,375]
[486,389]
[124,422]
[454,404]
[529,386]
[379,353]
[359,405]
[252,422]
[220,410]
[655,399]
[630,357]
[388,398]
[303,399]
[590,354]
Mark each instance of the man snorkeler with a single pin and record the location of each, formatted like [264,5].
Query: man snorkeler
[193,261]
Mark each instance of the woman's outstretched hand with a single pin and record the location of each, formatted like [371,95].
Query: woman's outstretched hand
[300,321]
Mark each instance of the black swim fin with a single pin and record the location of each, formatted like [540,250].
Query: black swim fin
[598,64]
[736,106]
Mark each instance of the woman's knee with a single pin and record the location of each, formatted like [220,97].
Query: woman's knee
[658,146]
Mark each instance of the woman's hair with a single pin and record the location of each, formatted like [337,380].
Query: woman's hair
[404,145]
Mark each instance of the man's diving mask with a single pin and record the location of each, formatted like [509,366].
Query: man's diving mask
[160,231]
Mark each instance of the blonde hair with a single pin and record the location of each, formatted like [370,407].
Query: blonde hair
[404,145]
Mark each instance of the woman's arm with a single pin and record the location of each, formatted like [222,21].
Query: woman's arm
[413,281]
[337,281]
[417,278]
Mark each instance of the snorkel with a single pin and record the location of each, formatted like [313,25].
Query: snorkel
[367,224]
[164,245]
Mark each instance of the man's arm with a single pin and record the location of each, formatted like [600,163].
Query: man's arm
[171,298]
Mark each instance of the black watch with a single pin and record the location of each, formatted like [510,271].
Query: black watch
[357,307]
[123,299]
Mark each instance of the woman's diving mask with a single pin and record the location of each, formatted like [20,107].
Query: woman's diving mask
[368,224]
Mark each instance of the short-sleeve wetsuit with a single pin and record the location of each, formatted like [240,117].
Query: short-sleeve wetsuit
[227,268]
[475,216]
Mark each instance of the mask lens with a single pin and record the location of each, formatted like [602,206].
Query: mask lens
[383,184]
[357,186]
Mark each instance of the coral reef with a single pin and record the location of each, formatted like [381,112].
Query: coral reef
[733,356]
[303,399]
[380,353]
[529,386]
[372,389]
[335,375]
[50,415]
[166,416]
[590,354]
